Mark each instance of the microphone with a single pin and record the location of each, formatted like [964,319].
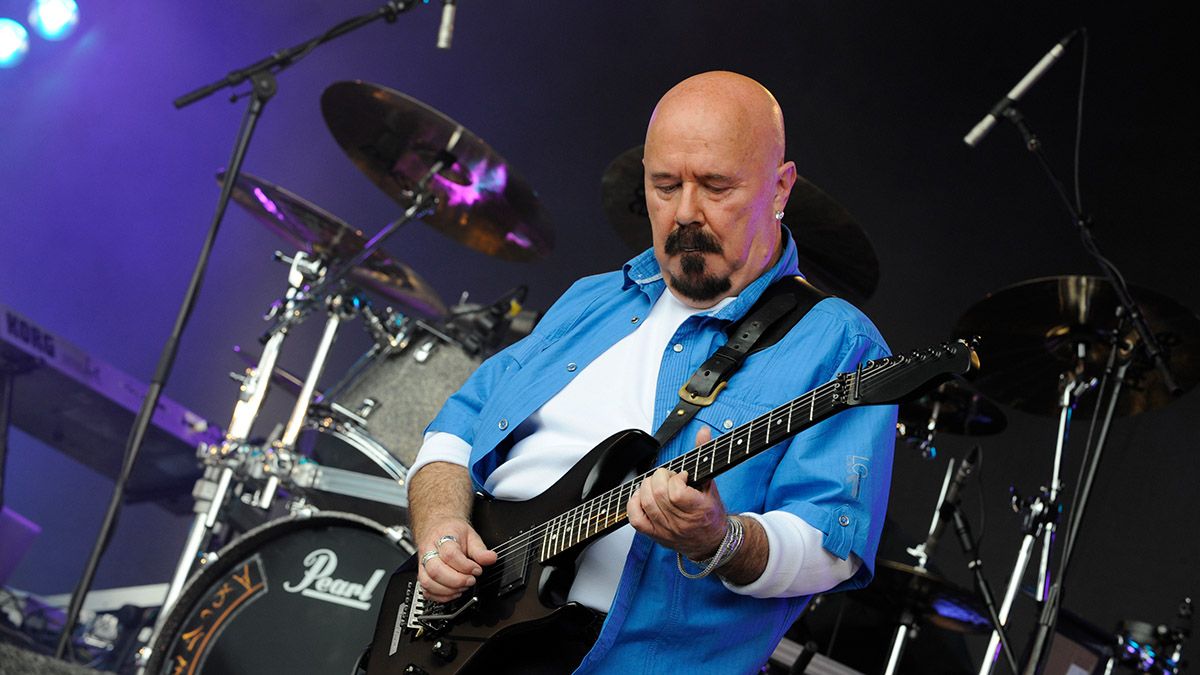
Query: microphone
[446,29]
[950,502]
[975,135]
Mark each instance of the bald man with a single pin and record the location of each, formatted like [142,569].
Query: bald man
[703,579]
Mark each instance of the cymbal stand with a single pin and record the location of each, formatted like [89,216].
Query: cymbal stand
[907,628]
[1040,513]
[221,462]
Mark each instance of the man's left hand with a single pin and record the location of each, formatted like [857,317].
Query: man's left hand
[678,516]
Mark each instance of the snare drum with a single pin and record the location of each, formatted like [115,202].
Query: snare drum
[398,394]
[298,595]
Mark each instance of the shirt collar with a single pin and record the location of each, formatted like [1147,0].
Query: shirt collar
[643,271]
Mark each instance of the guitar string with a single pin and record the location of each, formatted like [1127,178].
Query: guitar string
[882,372]
[879,376]
[577,515]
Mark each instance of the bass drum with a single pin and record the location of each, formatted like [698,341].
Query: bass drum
[299,595]
[404,390]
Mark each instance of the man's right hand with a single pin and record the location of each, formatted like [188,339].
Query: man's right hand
[461,557]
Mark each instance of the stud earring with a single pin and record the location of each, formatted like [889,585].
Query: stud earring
[779,215]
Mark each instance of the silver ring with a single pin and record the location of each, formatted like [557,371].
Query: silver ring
[427,557]
[445,538]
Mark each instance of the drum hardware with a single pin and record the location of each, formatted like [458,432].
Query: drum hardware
[1039,514]
[922,594]
[325,237]
[220,461]
[1071,328]
[834,251]
[1146,648]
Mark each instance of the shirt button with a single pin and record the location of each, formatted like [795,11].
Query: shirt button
[678,348]
[728,424]
[571,367]
[503,424]
[634,320]
[843,520]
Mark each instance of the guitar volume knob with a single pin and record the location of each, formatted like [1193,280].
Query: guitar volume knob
[445,650]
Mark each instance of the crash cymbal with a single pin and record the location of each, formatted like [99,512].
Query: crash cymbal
[930,596]
[315,231]
[482,201]
[954,408]
[1032,331]
[834,252]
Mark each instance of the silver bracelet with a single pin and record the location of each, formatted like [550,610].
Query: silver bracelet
[730,544]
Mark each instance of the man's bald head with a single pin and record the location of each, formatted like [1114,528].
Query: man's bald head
[720,98]
[715,180]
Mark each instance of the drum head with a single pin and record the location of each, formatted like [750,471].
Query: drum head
[299,595]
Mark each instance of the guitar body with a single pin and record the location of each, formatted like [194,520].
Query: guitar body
[518,601]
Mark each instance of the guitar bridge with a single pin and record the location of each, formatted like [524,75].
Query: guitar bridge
[415,609]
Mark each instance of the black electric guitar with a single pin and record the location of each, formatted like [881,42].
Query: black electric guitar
[537,539]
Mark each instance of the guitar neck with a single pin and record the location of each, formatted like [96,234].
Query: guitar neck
[879,381]
[606,512]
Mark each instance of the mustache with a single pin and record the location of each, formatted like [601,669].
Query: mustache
[691,240]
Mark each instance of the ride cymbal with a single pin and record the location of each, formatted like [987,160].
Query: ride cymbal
[953,408]
[1035,331]
[835,253]
[317,232]
[480,200]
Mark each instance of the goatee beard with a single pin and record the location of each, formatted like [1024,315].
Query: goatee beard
[694,282]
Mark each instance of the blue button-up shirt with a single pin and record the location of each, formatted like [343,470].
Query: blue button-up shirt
[835,475]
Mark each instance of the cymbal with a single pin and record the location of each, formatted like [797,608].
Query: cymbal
[835,253]
[1031,332]
[481,200]
[931,597]
[314,230]
[960,410]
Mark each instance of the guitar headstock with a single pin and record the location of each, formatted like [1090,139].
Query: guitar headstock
[897,377]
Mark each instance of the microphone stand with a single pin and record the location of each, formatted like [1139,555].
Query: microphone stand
[1128,311]
[263,87]
[975,563]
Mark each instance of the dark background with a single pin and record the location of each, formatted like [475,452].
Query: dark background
[106,191]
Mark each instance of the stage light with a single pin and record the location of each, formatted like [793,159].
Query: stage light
[54,19]
[14,42]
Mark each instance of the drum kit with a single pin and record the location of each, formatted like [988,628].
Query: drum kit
[329,486]
[330,483]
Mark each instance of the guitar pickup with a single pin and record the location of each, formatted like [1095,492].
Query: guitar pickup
[512,576]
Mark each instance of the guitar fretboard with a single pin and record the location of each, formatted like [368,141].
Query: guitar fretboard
[607,511]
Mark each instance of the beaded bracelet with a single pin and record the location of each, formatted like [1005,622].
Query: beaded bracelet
[725,552]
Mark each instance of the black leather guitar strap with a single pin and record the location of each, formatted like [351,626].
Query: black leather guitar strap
[779,308]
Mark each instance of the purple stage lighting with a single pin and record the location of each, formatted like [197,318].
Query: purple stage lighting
[54,19]
[14,43]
